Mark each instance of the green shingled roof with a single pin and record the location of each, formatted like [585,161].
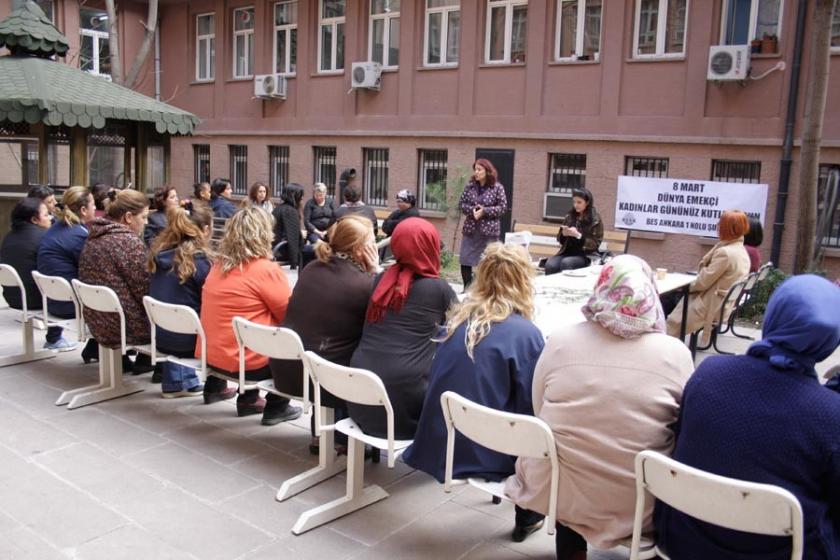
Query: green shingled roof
[29,30]
[41,90]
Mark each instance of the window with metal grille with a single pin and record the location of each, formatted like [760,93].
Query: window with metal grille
[278,169]
[566,172]
[201,163]
[645,166]
[729,171]
[832,235]
[376,176]
[324,171]
[239,169]
[432,180]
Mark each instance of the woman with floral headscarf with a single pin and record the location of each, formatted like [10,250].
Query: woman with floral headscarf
[608,387]
[765,418]
[408,305]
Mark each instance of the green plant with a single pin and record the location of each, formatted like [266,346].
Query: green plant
[448,263]
[754,310]
[446,195]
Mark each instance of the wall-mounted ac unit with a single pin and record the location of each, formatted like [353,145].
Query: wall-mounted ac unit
[556,205]
[270,86]
[366,75]
[728,62]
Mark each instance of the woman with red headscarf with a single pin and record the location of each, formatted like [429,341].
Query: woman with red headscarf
[408,305]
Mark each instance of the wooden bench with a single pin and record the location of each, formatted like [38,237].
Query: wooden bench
[544,240]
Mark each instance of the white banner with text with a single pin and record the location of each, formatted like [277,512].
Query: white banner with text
[683,205]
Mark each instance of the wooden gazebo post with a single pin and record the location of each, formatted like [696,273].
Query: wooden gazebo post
[78,156]
[141,164]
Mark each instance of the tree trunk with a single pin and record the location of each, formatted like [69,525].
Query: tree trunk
[114,43]
[143,52]
[812,134]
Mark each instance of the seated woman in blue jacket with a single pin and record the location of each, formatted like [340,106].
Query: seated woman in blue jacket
[220,193]
[766,418]
[487,353]
[180,262]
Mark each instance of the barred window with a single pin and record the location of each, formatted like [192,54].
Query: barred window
[645,166]
[201,163]
[729,171]
[566,172]
[239,169]
[324,171]
[278,169]
[432,179]
[376,176]
[832,235]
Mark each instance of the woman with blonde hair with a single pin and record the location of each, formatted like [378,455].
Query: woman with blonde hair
[115,256]
[180,261]
[329,321]
[61,247]
[487,353]
[244,282]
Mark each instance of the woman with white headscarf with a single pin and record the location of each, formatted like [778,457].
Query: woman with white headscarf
[608,387]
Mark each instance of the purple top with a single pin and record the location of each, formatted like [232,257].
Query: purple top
[494,202]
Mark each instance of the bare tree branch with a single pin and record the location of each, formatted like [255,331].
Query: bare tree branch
[114,43]
[145,46]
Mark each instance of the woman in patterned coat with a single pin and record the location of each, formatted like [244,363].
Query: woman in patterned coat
[483,203]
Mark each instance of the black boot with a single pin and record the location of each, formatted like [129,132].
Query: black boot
[90,352]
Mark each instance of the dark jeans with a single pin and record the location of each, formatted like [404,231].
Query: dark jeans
[54,334]
[670,301]
[466,275]
[567,542]
[525,517]
[558,263]
[272,401]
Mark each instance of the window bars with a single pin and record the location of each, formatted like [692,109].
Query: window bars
[376,176]
[239,169]
[201,163]
[645,166]
[432,179]
[324,169]
[566,172]
[278,169]
[730,171]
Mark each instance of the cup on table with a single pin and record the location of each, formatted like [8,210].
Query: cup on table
[661,273]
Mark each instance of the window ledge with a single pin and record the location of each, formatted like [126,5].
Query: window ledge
[680,58]
[202,82]
[446,67]
[502,64]
[437,214]
[242,79]
[571,62]
[832,252]
[327,74]
[390,69]
[765,55]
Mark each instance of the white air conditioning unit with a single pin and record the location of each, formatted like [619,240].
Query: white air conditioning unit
[270,86]
[366,75]
[556,205]
[728,62]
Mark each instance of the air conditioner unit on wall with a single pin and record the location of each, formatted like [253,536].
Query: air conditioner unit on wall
[728,62]
[270,86]
[556,205]
[366,75]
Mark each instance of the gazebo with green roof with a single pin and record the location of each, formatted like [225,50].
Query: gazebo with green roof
[43,99]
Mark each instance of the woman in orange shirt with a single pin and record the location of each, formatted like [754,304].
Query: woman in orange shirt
[244,282]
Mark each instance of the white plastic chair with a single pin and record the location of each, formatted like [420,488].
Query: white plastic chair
[10,279]
[111,384]
[362,387]
[179,319]
[727,502]
[513,434]
[284,344]
[522,238]
[57,288]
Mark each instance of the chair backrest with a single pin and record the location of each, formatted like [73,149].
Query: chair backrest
[102,299]
[733,296]
[176,318]
[273,342]
[354,385]
[727,502]
[57,288]
[11,279]
[217,231]
[764,271]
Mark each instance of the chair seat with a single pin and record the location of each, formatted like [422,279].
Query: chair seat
[194,363]
[349,428]
[145,349]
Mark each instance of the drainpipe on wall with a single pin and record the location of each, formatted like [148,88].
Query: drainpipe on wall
[157,62]
[790,123]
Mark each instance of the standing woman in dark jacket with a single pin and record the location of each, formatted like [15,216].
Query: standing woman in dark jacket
[115,256]
[179,262]
[318,213]
[287,225]
[61,247]
[408,305]
[30,220]
[220,193]
[163,199]
[581,234]
[483,203]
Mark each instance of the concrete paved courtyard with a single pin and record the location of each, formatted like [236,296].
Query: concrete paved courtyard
[151,478]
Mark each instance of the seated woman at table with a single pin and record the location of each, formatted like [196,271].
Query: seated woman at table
[244,282]
[580,234]
[408,305]
[608,388]
[726,263]
[764,417]
[318,214]
[486,353]
[327,307]
[179,261]
[114,256]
